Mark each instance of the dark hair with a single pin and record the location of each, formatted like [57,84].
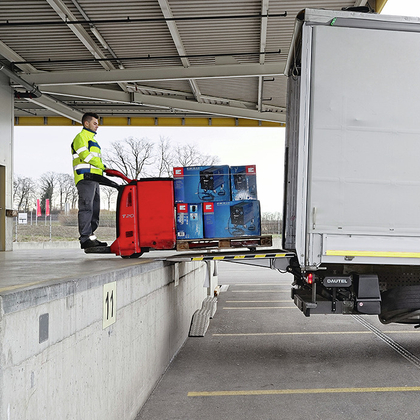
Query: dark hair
[88,116]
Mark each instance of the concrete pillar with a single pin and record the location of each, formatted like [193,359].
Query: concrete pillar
[6,162]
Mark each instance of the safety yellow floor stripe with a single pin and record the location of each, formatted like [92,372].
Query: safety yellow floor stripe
[303,391]
[260,291]
[260,307]
[259,301]
[292,333]
[283,286]
[311,333]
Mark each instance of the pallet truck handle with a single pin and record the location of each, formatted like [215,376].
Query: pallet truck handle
[102,180]
[118,174]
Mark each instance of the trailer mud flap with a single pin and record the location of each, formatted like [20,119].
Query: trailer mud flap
[368,296]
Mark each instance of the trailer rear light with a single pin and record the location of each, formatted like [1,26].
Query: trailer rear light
[310,278]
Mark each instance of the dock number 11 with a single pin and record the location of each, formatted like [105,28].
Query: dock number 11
[109,304]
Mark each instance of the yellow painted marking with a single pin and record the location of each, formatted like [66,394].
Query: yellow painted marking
[259,301]
[261,291]
[388,254]
[260,307]
[238,257]
[293,333]
[312,333]
[263,284]
[303,391]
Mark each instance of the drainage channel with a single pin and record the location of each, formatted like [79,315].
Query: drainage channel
[391,343]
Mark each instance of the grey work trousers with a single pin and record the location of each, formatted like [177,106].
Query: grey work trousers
[89,207]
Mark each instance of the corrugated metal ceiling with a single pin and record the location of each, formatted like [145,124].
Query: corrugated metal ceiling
[166,35]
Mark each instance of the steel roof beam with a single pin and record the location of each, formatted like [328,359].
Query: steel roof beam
[57,107]
[263,42]
[165,102]
[158,73]
[65,14]
[173,29]
[12,56]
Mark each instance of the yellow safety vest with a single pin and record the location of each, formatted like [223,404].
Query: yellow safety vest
[87,156]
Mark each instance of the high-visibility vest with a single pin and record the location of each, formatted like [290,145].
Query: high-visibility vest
[87,156]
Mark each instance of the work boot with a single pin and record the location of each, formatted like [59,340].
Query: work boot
[92,243]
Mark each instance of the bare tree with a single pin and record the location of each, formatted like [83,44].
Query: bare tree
[47,184]
[23,192]
[109,193]
[136,158]
[131,156]
[73,197]
[170,156]
[66,189]
[164,158]
[189,155]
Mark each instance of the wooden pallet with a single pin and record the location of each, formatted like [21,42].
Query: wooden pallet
[240,242]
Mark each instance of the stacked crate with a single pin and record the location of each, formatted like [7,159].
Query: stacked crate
[216,202]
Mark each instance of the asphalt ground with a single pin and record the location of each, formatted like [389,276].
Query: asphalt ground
[261,358]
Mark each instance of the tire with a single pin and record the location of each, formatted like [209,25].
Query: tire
[401,304]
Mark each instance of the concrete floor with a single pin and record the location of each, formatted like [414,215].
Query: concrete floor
[262,359]
[24,269]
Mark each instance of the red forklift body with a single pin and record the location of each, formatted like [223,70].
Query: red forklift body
[145,217]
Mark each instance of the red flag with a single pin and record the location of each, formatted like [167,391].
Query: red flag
[38,208]
[47,207]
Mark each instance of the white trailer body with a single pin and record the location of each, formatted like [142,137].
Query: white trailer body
[352,184]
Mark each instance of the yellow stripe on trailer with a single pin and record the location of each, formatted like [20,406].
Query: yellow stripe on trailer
[381,254]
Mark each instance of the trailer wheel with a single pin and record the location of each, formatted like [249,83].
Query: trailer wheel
[402,305]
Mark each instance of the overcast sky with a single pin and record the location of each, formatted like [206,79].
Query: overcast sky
[47,149]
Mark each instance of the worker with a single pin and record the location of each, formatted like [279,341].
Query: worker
[87,159]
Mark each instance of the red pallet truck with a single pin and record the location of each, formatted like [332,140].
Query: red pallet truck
[145,215]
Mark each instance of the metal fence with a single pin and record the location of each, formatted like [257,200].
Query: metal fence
[63,227]
[58,227]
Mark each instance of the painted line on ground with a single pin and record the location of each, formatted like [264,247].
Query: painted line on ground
[303,391]
[259,301]
[260,291]
[310,333]
[260,307]
[262,284]
[291,333]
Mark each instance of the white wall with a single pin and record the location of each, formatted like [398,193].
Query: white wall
[6,160]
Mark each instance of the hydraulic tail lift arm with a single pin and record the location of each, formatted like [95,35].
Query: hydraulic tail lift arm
[276,259]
